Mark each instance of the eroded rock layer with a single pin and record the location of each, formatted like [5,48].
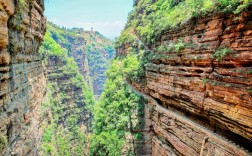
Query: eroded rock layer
[23,83]
[198,78]
[72,100]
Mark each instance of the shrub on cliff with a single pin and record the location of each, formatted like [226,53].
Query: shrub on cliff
[150,18]
[65,133]
[3,143]
[127,37]
[222,52]
[50,47]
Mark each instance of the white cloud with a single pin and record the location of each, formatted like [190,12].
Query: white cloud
[108,28]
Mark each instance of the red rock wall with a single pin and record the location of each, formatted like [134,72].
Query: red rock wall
[202,104]
[22,79]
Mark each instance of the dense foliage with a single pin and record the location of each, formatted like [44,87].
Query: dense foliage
[113,113]
[100,51]
[97,50]
[67,131]
[150,18]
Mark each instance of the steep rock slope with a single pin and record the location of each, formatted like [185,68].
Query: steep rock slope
[74,43]
[69,95]
[22,79]
[100,51]
[197,74]
[90,50]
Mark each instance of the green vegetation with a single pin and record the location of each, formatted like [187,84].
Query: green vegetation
[62,35]
[161,48]
[221,52]
[97,49]
[119,110]
[100,51]
[175,46]
[145,24]
[113,113]
[150,18]
[178,46]
[20,6]
[67,103]
[17,17]
[22,2]
[215,83]
[127,37]
[205,80]
[250,91]
[58,139]
[50,47]
[3,143]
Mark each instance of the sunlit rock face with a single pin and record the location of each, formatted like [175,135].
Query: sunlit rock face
[61,80]
[23,83]
[201,100]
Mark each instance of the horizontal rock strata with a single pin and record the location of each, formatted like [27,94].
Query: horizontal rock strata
[203,89]
[23,83]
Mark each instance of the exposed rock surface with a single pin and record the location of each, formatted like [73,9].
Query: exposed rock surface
[100,51]
[23,83]
[72,41]
[69,95]
[90,50]
[201,99]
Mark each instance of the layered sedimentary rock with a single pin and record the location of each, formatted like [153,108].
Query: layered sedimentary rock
[78,52]
[69,95]
[23,83]
[61,72]
[100,51]
[90,50]
[73,42]
[201,92]
[69,91]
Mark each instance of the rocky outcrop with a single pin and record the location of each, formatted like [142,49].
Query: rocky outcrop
[23,83]
[100,51]
[69,96]
[72,41]
[78,52]
[70,92]
[61,72]
[198,78]
[91,51]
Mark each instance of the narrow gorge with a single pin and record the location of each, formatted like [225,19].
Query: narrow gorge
[176,82]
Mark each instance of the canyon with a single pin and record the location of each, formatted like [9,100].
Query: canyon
[191,93]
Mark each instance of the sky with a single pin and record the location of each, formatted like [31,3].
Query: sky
[106,16]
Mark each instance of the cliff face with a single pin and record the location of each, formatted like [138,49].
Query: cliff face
[67,84]
[212,89]
[69,95]
[74,43]
[90,50]
[198,84]
[23,83]
[100,51]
